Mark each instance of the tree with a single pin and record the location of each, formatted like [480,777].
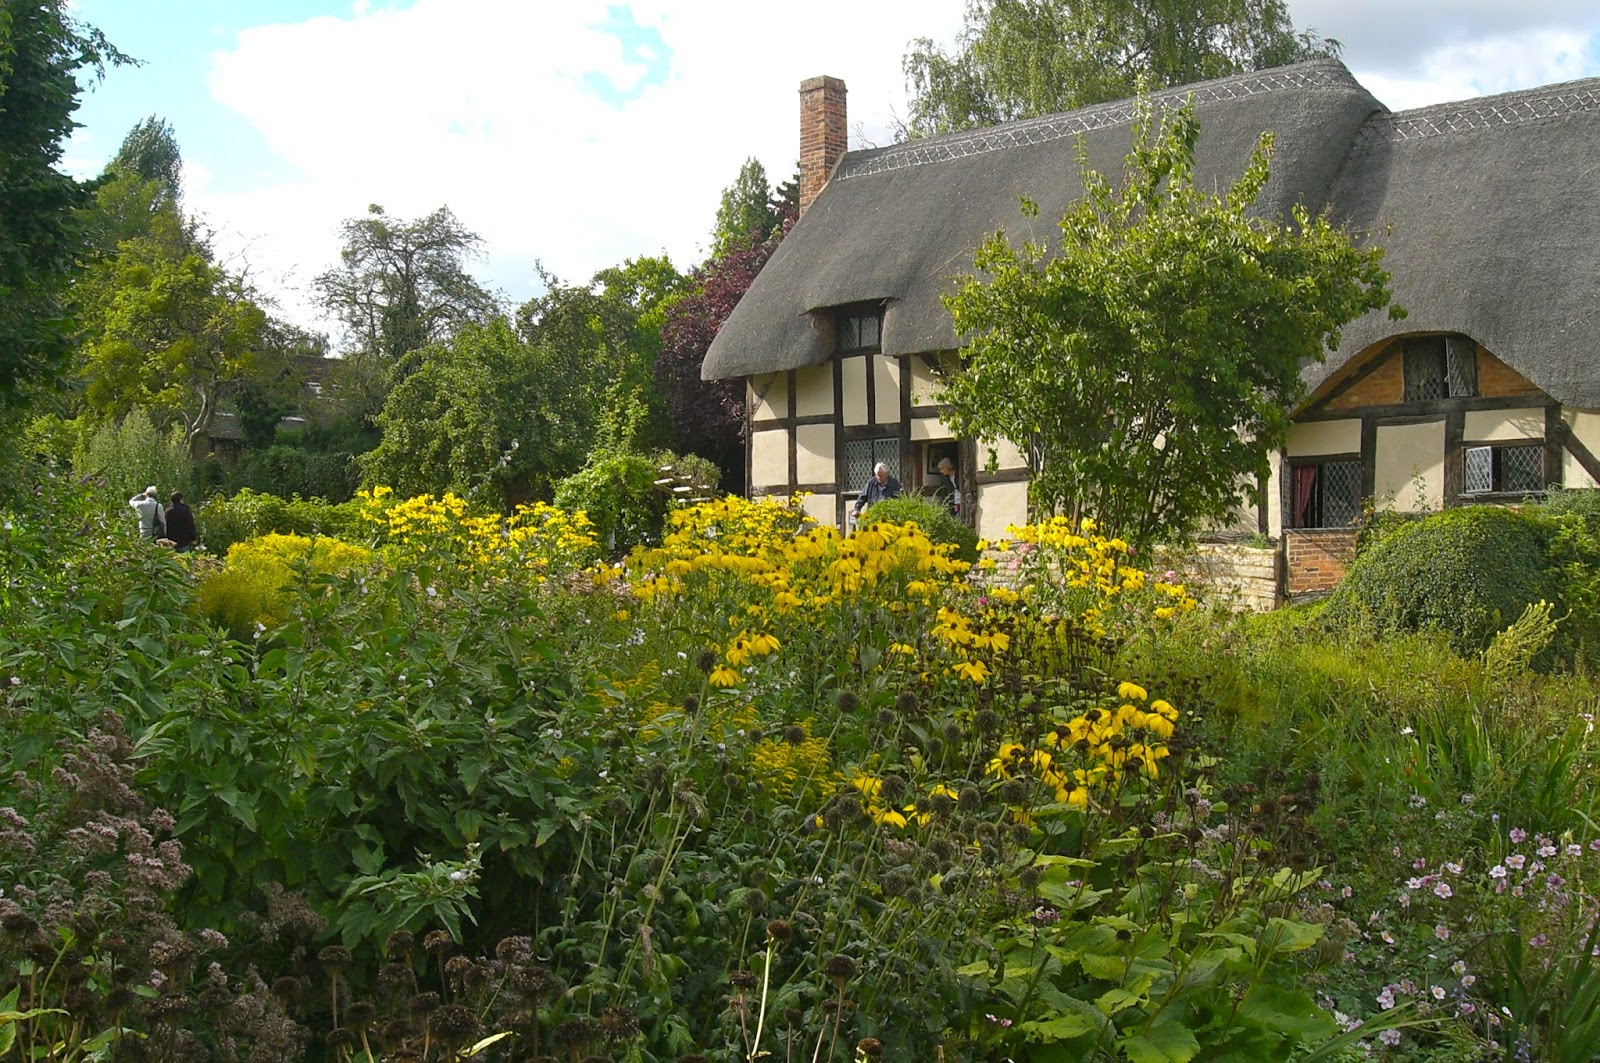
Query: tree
[708,415]
[609,332]
[1021,58]
[1148,364]
[751,210]
[481,413]
[41,233]
[403,285]
[174,336]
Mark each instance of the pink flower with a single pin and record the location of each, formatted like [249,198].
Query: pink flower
[1538,941]
[1518,835]
[1441,932]
[1443,889]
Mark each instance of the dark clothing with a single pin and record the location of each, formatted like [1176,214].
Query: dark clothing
[180,524]
[944,489]
[877,492]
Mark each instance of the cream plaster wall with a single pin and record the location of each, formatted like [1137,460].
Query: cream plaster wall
[1498,426]
[1405,453]
[813,390]
[855,390]
[924,384]
[769,396]
[1275,496]
[926,429]
[769,459]
[1585,425]
[824,509]
[1324,437]
[886,389]
[1007,455]
[813,454]
[1000,505]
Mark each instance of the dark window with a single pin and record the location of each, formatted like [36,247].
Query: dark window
[860,330]
[1440,367]
[1511,469]
[1324,494]
[861,456]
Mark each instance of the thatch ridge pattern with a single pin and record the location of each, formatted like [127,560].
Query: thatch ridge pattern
[1085,120]
[1533,105]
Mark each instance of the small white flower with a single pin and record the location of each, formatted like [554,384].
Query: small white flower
[459,876]
[1407,730]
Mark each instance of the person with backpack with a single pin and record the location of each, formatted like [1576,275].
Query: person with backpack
[152,518]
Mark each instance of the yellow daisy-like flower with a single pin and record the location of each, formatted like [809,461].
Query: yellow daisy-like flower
[723,676]
[1131,691]
[976,671]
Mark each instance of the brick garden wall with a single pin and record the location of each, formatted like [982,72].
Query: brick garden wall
[1317,559]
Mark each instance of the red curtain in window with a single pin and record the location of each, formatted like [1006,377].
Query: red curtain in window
[1305,478]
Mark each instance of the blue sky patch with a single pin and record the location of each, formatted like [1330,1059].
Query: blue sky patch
[643,48]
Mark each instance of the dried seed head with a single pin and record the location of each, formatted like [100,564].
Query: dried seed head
[846,701]
[742,980]
[794,734]
[869,1048]
[839,968]
[907,703]
[400,941]
[780,931]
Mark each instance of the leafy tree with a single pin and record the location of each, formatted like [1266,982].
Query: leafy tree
[41,233]
[403,285]
[1149,361]
[482,413]
[708,415]
[751,209]
[609,333]
[150,152]
[174,335]
[1020,58]
[140,193]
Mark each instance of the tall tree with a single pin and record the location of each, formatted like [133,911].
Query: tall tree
[1021,58]
[41,232]
[402,285]
[150,152]
[609,332]
[484,414]
[1148,362]
[708,416]
[751,209]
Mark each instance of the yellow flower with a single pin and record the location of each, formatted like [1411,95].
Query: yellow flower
[1131,691]
[976,671]
[723,676]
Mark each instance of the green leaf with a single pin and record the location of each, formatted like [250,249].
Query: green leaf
[1107,968]
[1289,1011]
[1115,1000]
[1167,1041]
[1287,935]
[1059,1028]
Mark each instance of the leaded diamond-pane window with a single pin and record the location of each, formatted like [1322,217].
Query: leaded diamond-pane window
[1440,367]
[1325,494]
[1512,469]
[1480,471]
[862,455]
[1425,370]
[860,330]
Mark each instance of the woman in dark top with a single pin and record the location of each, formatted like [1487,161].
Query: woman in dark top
[180,524]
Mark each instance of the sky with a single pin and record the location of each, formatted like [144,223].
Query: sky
[580,134]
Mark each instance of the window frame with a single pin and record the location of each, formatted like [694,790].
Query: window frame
[1453,362]
[848,332]
[1316,503]
[1497,488]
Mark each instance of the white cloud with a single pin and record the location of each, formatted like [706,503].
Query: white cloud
[479,104]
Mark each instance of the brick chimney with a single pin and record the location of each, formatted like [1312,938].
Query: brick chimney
[824,134]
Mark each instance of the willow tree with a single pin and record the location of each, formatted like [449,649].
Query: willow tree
[1149,360]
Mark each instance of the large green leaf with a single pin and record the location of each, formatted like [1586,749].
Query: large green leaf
[1167,1041]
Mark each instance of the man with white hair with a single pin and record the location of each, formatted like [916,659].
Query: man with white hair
[151,516]
[879,487]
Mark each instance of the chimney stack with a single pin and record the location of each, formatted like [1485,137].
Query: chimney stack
[824,134]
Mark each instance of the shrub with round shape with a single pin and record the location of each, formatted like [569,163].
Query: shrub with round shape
[1466,573]
[934,520]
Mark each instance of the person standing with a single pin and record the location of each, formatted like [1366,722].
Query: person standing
[879,487]
[151,517]
[180,524]
[944,486]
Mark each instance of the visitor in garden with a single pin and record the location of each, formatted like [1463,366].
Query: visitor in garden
[879,487]
[152,519]
[180,524]
[944,486]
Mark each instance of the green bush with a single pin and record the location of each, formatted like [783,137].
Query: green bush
[253,588]
[129,455]
[618,492]
[224,521]
[931,516]
[1465,573]
[292,470]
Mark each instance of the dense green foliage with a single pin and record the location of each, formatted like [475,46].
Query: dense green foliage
[1465,573]
[1150,360]
[931,516]
[627,496]
[1022,58]
[247,514]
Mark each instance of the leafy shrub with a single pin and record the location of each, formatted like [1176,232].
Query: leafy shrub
[934,520]
[133,453]
[254,586]
[289,470]
[621,495]
[247,514]
[1465,573]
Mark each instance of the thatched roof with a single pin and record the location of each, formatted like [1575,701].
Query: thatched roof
[1486,208]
